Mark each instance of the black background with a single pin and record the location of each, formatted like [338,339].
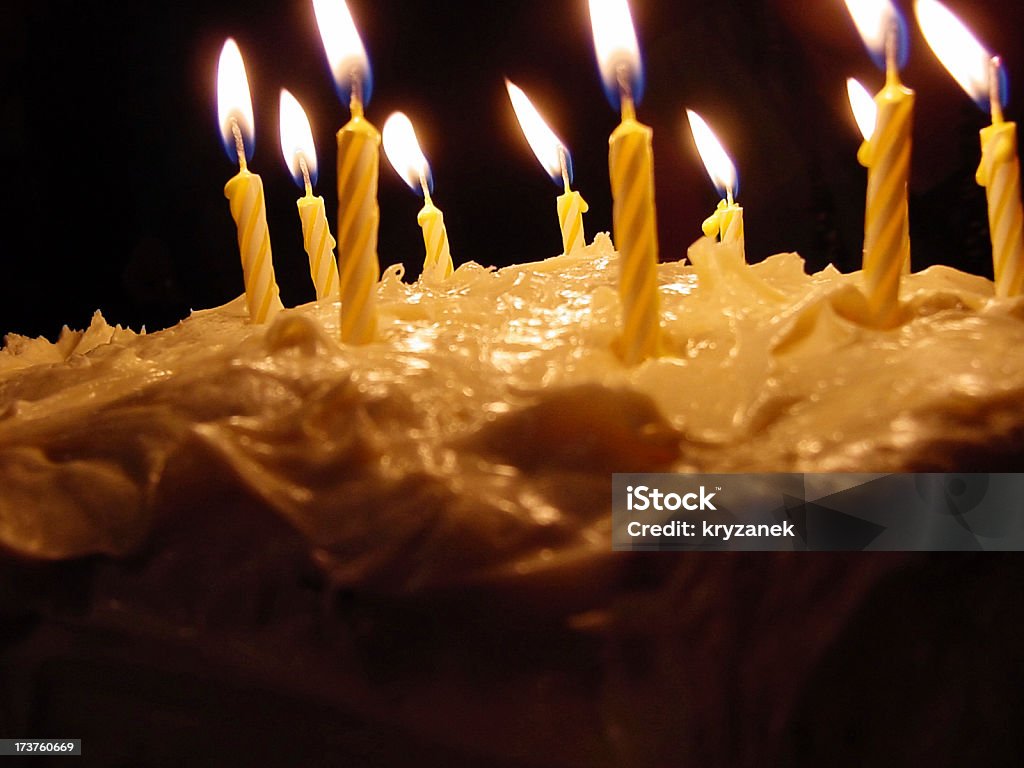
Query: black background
[114,169]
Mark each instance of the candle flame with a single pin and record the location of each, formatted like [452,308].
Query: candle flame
[548,148]
[404,153]
[234,104]
[719,166]
[346,55]
[875,21]
[297,139]
[960,52]
[618,52]
[865,111]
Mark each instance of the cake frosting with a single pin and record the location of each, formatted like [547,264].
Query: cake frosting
[485,422]
[418,532]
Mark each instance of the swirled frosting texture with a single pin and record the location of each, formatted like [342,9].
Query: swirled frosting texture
[475,439]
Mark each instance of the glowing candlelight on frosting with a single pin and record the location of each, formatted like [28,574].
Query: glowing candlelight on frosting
[631,169]
[981,75]
[245,190]
[887,157]
[300,155]
[403,151]
[555,158]
[358,169]
[727,221]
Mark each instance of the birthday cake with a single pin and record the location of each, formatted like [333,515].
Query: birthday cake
[413,536]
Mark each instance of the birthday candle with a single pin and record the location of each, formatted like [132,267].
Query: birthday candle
[245,190]
[555,159]
[571,206]
[865,112]
[437,261]
[631,171]
[726,223]
[358,167]
[887,157]
[980,75]
[403,151]
[319,245]
[300,156]
[999,173]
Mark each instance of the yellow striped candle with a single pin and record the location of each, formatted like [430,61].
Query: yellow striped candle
[245,195]
[999,173]
[571,206]
[300,156]
[631,168]
[886,154]
[555,159]
[865,111]
[245,190]
[319,246]
[437,261]
[887,157]
[726,223]
[403,151]
[358,221]
[358,168]
[980,74]
[631,171]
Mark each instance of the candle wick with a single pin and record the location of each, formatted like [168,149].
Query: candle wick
[625,92]
[426,188]
[304,167]
[563,164]
[994,97]
[728,196]
[628,108]
[239,144]
[892,69]
[355,103]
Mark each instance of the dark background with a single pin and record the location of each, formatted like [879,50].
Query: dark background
[114,169]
